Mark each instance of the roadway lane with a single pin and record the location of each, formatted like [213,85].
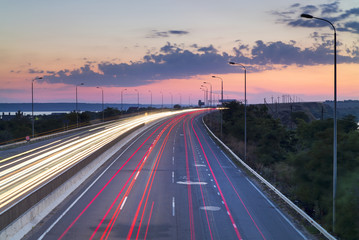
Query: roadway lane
[172,182]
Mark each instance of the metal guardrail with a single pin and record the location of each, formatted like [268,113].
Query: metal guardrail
[270,186]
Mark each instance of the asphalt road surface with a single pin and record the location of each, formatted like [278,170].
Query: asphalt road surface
[171,182]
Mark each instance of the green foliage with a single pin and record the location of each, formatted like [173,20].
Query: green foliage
[296,116]
[111,112]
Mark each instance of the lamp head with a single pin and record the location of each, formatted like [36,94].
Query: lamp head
[306,15]
[231,63]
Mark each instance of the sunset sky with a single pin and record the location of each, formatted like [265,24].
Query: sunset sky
[173,46]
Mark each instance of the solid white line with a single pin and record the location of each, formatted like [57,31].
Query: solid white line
[123,203]
[280,213]
[84,192]
[173,206]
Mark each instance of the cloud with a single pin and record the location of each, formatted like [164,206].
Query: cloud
[352,27]
[166,34]
[330,8]
[341,19]
[178,32]
[176,62]
[35,71]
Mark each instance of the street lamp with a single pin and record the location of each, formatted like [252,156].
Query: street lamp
[77,114]
[171,100]
[221,104]
[211,95]
[162,99]
[180,95]
[103,113]
[138,98]
[204,94]
[32,106]
[335,113]
[245,107]
[151,97]
[206,100]
[122,97]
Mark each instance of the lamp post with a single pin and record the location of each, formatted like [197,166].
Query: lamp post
[221,104]
[32,105]
[103,113]
[189,100]
[122,97]
[210,94]
[245,107]
[151,97]
[206,100]
[180,96]
[204,94]
[77,114]
[171,100]
[138,98]
[335,114]
[162,99]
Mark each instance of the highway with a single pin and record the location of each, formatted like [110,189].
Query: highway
[24,172]
[171,182]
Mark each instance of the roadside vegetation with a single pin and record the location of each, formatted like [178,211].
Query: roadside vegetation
[299,160]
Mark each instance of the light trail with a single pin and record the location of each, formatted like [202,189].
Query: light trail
[104,187]
[190,203]
[28,171]
[215,179]
[199,180]
[117,211]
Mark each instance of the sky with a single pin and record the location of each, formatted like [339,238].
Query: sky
[169,48]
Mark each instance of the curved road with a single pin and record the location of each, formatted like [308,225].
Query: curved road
[171,182]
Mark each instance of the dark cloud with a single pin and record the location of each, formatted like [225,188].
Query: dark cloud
[341,19]
[165,34]
[209,49]
[350,27]
[178,32]
[309,9]
[173,61]
[35,71]
[330,8]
